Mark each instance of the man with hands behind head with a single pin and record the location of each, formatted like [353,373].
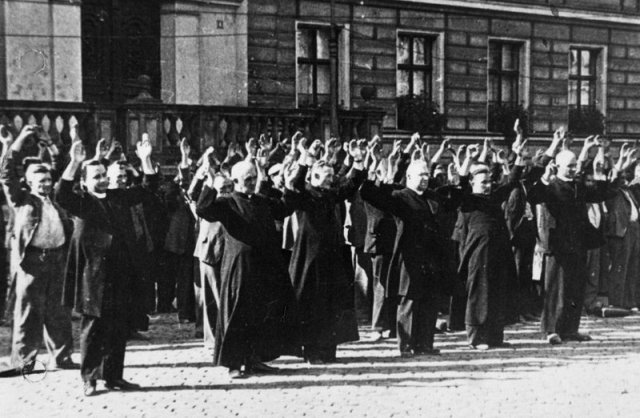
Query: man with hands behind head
[40,239]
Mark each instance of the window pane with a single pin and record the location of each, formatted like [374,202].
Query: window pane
[573,92]
[507,91]
[586,63]
[495,61]
[305,79]
[323,43]
[507,58]
[419,86]
[494,88]
[418,51]
[585,94]
[323,79]
[403,50]
[573,62]
[304,43]
[403,83]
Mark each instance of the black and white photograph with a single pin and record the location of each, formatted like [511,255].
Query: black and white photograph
[319,208]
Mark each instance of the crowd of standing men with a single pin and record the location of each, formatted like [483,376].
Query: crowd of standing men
[288,239]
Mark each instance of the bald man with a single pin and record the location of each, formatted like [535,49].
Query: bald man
[256,320]
[566,197]
[415,276]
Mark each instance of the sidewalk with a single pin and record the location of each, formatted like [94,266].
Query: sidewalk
[598,378]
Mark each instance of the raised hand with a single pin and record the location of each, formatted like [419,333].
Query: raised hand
[185,148]
[519,150]
[549,171]
[77,153]
[101,150]
[144,148]
[251,146]
[262,159]
[6,138]
[316,149]
[415,139]
[357,150]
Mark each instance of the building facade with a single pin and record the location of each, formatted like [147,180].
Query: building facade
[217,69]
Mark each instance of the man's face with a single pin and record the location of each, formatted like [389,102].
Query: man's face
[567,168]
[481,183]
[117,176]
[418,177]
[96,180]
[322,177]
[588,180]
[245,182]
[223,185]
[40,183]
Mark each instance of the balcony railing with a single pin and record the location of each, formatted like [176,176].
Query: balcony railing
[203,126]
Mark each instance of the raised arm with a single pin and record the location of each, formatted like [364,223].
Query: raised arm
[8,171]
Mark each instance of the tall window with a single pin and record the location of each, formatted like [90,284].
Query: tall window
[415,65]
[584,88]
[313,65]
[582,78]
[504,82]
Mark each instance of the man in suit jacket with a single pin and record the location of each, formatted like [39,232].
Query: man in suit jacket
[415,274]
[566,199]
[40,239]
[109,252]
[623,238]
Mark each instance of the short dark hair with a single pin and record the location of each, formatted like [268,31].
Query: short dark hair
[93,163]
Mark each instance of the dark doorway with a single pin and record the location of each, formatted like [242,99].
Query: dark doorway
[120,42]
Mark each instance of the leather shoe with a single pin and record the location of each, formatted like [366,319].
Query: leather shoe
[237,374]
[120,384]
[479,347]
[67,364]
[426,352]
[554,339]
[406,353]
[259,367]
[89,388]
[577,337]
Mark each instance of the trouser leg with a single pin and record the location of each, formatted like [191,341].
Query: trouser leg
[28,316]
[92,341]
[208,301]
[416,321]
[619,250]
[631,287]
[57,319]
[592,283]
[184,289]
[383,311]
[363,281]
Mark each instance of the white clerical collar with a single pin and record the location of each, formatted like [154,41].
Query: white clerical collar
[100,195]
[565,179]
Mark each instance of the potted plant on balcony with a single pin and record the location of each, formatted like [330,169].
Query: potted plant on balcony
[417,113]
[586,121]
[502,117]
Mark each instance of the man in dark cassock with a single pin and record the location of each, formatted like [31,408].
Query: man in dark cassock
[257,314]
[566,199]
[108,254]
[415,275]
[486,258]
[321,283]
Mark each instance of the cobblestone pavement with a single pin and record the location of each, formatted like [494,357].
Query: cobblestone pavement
[598,378]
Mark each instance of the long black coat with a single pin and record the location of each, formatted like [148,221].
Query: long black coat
[257,315]
[109,248]
[321,283]
[418,264]
[486,256]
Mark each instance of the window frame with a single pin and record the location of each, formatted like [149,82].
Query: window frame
[501,74]
[314,61]
[428,69]
[580,79]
